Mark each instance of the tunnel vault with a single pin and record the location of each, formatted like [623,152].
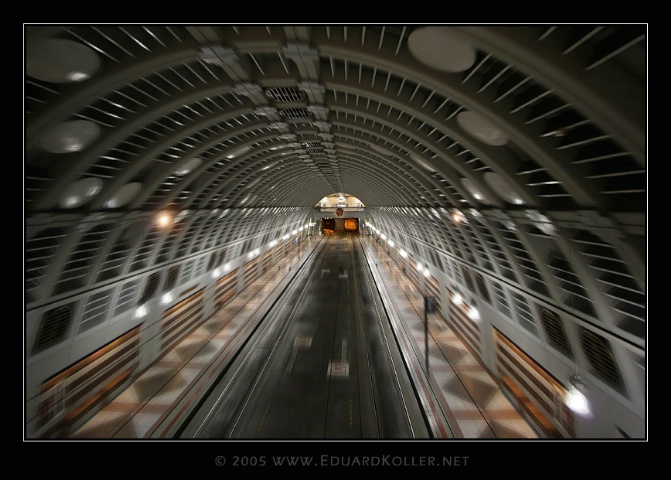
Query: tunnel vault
[508,162]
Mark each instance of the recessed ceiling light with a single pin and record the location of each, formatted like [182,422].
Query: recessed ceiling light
[503,188]
[124,195]
[60,61]
[70,136]
[80,192]
[187,166]
[482,128]
[421,162]
[475,191]
[442,48]
[380,149]
[239,151]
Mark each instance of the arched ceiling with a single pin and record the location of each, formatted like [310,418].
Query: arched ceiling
[222,116]
[536,134]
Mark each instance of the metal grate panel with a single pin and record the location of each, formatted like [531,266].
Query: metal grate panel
[285,94]
[150,288]
[296,113]
[554,329]
[171,278]
[53,328]
[600,356]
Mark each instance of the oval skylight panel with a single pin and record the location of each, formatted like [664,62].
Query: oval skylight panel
[124,195]
[60,61]
[80,192]
[238,151]
[71,136]
[482,128]
[422,163]
[503,188]
[380,149]
[475,191]
[187,167]
[441,48]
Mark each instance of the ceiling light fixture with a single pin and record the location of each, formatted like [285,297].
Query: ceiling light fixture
[141,311]
[575,397]
[164,219]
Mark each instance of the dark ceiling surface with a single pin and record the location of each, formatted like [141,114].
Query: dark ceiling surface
[536,134]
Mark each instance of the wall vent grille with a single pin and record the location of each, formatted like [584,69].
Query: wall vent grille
[554,329]
[53,328]
[600,356]
[285,94]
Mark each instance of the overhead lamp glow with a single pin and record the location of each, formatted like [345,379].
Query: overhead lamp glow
[164,219]
[473,313]
[575,398]
[215,273]
[403,253]
[419,267]
[390,242]
[167,298]
[458,217]
[457,299]
[141,311]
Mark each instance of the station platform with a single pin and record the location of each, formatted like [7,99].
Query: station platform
[460,396]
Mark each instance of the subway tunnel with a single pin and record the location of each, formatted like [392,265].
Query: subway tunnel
[167,167]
